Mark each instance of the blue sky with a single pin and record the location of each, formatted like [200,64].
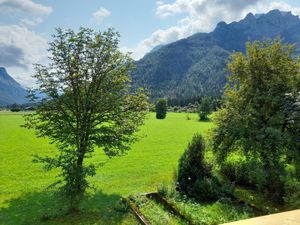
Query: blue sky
[26,25]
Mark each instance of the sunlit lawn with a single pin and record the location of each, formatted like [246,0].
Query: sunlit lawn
[24,198]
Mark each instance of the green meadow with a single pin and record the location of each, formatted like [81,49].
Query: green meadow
[25,199]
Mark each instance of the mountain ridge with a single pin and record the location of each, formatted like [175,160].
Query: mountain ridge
[10,90]
[196,65]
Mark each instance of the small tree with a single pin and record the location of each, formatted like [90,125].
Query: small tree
[205,108]
[161,108]
[195,177]
[191,164]
[86,103]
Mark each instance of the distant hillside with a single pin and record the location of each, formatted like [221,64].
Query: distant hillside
[10,90]
[196,65]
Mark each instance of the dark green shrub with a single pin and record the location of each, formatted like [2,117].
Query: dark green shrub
[292,193]
[195,177]
[204,109]
[191,164]
[210,188]
[15,108]
[161,108]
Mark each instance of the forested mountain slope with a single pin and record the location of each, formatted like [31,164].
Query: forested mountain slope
[196,65]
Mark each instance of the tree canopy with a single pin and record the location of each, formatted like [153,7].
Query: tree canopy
[253,118]
[86,103]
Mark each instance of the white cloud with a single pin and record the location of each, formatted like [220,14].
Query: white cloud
[30,43]
[283,6]
[202,16]
[27,11]
[99,15]
[20,48]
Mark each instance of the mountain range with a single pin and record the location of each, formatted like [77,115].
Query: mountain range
[196,66]
[10,90]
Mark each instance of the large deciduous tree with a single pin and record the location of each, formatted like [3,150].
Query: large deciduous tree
[253,118]
[86,103]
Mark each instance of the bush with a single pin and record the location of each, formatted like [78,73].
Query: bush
[244,172]
[210,188]
[204,109]
[166,189]
[161,109]
[195,177]
[15,108]
[292,193]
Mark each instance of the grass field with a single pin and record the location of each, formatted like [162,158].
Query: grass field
[24,198]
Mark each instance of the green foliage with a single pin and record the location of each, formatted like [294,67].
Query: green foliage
[243,171]
[157,213]
[191,164]
[87,103]
[292,196]
[204,109]
[203,213]
[253,118]
[195,177]
[292,109]
[161,108]
[262,203]
[15,108]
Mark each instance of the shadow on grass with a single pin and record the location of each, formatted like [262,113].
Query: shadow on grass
[47,208]
[207,120]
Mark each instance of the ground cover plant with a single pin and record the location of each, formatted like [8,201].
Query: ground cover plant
[24,198]
[204,213]
[156,213]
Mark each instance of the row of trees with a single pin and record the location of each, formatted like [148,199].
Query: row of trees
[203,109]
